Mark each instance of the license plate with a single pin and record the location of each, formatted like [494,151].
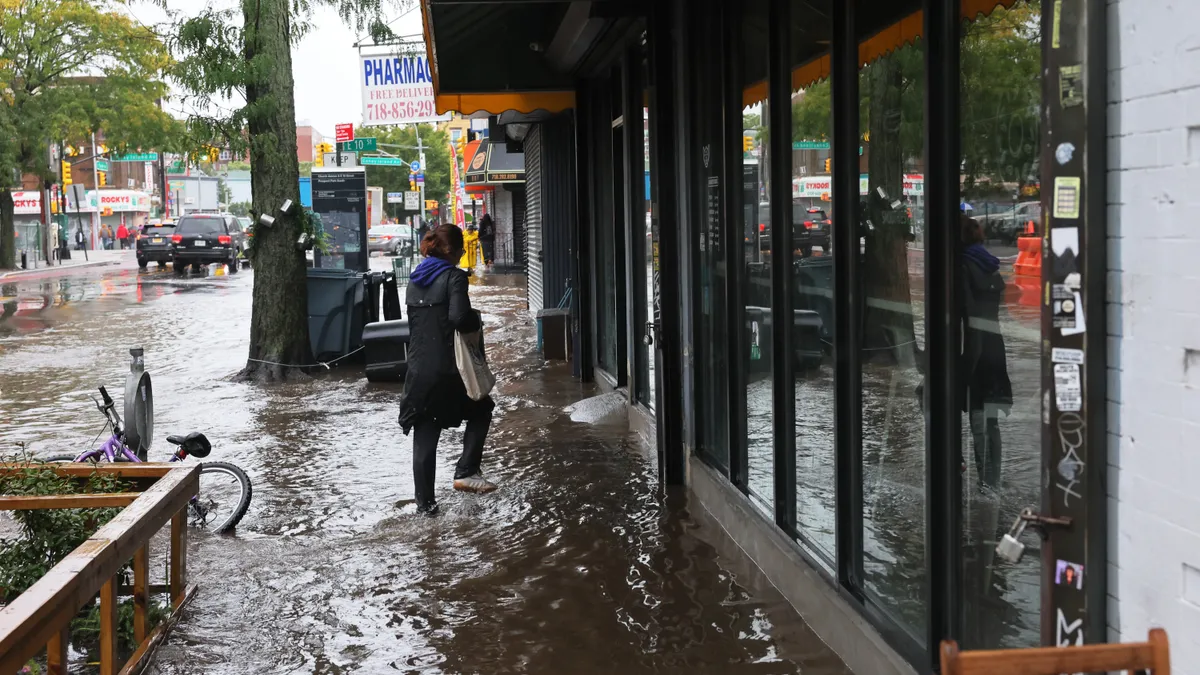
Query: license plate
[200,242]
[156,240]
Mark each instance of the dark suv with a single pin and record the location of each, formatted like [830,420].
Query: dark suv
[154,245]
[201,239]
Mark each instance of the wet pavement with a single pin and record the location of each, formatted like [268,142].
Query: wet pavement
[579,563]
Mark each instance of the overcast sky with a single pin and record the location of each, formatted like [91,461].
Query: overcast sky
[325,63]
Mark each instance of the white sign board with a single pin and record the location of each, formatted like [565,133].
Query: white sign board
[412,201]
[348,159]
[395,197]
[397,89]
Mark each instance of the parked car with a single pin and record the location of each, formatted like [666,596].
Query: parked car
[154,245]
[1009,224]
[391,239]
[810,227]
[200,239]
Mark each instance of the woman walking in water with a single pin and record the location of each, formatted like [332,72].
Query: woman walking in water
[434,395]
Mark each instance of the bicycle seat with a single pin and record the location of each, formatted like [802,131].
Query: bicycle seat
[196,444]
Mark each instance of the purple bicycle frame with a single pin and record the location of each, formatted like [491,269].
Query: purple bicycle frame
[109,451]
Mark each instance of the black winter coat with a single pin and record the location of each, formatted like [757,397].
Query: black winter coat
[984,364]
[433,389]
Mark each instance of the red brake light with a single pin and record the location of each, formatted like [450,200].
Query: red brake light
[387,237]
[808,225]
[762,227]
[177,238]
[224,239]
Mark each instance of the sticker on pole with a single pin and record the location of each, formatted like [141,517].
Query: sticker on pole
[397,89]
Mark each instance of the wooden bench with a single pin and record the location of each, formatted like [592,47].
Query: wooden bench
[1151,656]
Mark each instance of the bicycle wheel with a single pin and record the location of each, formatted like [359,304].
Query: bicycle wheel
[223,500]
[65,458]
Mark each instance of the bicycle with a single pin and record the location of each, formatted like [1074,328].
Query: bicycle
[205,509]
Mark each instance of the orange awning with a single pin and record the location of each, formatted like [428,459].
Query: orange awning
[903,32]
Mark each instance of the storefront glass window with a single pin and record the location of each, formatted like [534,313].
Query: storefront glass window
[712,325]
[1000,238]
[892,269]
[812,299]
[755,229]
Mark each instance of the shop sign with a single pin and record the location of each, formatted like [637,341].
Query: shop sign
[397,89]
[813,188]
[124,201]
[27,202]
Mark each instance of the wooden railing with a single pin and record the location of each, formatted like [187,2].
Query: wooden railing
[40,617]
[1153,655]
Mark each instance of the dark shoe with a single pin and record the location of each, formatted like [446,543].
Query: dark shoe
[429,509]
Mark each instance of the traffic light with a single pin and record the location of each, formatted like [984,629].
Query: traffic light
[462,146]
[102,178]
[66,172]
[828,165]
[318,158]
[747,143]
[430,204]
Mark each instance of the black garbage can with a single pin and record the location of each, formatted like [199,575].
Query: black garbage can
[336,302]
[385,344]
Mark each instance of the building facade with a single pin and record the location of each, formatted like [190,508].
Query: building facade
[878,326]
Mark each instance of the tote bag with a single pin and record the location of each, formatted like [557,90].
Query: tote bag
[472,364]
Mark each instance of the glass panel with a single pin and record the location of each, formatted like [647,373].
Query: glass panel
[755,228]
[650,264]
[892,269]
[607,154]
[1001,226]
[812,298]
[711,342]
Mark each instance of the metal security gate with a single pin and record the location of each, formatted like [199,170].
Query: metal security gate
[533,217]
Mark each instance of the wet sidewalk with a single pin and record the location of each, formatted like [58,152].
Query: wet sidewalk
[40,268]
[578,564]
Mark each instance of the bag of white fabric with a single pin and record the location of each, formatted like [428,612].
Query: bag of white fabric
[472,364]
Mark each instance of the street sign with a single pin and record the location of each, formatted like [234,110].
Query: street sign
[810,145]
[363,144]
[136,157]
[420,178]
[381,161]
[344,132]
[415,166]
[348,159]
[101,165]
[412,201]
[395,197]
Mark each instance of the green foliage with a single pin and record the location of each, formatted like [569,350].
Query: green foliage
[47,535]
[70,68]
[224,194]
[1001,92]
[306,168]
[395,178]
[85,628]
[238,166]
[240,208]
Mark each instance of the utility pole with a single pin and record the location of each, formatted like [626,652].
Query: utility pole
[46,214]
[421,159]
[162,175]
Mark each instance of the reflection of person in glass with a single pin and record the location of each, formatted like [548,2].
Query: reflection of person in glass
[984,366]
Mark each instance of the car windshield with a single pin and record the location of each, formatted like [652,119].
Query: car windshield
[200,226]
[156,231]
[816,215]
[389,229]
[245,222]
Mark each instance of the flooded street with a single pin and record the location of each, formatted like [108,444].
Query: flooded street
[579,563]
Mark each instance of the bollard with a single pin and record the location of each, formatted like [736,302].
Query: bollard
[24,260]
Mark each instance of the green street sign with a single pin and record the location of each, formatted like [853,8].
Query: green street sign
[136,157]
[360,145]
[101,165]
[810,145]
[380,161]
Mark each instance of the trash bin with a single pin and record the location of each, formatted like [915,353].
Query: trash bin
[336,301]
[554,338]
[385,344]
[402,267]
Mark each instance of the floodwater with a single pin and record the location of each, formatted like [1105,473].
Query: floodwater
[578,564]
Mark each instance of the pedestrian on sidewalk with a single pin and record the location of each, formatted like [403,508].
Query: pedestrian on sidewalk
[434,395]
[487,237]
[123,235]
[105,237]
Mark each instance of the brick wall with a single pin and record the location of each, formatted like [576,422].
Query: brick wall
[1154,323]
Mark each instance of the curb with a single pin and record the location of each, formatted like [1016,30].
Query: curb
[55,271]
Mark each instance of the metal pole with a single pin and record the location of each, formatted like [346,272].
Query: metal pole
[421,160]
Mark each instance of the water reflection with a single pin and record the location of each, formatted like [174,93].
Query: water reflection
[578,564]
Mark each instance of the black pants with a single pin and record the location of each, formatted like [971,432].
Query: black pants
[985,433]
[426,434]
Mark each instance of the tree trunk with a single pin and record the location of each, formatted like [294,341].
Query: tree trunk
[279,321]
[888,318]
[8,231]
